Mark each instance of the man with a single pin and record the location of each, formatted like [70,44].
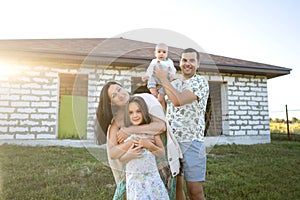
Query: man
[186,105]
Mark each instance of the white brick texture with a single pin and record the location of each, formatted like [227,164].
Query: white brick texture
[29,104]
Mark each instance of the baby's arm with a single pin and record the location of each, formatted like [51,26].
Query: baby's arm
[149,71]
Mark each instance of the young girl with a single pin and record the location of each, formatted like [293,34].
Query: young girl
[142,177]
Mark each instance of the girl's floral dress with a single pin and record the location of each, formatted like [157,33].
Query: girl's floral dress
[143,180]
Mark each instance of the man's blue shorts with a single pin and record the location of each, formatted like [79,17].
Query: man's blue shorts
[193,164]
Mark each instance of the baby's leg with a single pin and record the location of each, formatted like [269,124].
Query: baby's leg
[154,92]
[161,99]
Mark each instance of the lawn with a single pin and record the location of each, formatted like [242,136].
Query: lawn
[53,173]
[263,171]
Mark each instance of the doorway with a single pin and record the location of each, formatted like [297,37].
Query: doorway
[72,119]
[216,108]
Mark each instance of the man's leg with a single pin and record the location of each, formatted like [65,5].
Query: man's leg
[179,188]
[195,190]
[194,165]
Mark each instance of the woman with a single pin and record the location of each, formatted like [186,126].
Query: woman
[110,115]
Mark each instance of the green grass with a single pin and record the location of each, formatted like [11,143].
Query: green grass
[284,137]
[263,171]
[53,173]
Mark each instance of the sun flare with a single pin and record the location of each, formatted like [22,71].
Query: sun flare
[7,69]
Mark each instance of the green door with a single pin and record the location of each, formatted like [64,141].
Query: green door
[72,122]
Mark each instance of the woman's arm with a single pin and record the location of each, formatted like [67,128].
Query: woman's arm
[157,126]
[115,149]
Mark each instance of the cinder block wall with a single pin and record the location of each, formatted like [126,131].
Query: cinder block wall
[28,102]
[248,105]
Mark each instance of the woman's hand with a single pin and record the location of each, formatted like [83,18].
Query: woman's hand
[122,135]
[133,152]
[146,142]
[153,144]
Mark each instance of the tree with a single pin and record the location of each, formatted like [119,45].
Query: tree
[277,120]
[294,120]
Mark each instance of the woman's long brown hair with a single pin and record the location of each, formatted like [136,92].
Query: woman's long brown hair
[104,111]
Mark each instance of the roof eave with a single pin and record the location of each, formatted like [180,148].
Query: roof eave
[249,70]
[134,61]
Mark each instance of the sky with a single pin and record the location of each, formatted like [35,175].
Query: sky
[265,31]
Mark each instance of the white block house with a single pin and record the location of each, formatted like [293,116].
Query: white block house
[49,89]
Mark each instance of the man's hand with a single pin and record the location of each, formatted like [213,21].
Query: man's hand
[161,74]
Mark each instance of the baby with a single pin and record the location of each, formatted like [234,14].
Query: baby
[154,85]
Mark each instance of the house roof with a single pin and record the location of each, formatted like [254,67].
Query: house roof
[123,52]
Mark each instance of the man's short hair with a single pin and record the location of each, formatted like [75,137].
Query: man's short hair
[191,50]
